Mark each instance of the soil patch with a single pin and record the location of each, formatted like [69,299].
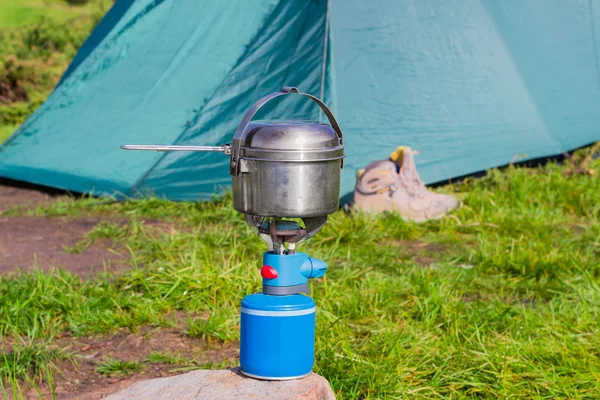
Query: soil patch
[422,253]
[83,381]
[22,197]
[29,241]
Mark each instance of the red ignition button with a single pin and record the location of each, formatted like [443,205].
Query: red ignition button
[268,272]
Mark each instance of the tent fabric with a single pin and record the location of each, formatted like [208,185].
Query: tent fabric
[471,84]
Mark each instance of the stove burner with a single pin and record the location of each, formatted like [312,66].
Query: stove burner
[276,232]
[282,231]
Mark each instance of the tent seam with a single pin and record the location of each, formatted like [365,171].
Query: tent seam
[594,41]
[324,64]
[287,70]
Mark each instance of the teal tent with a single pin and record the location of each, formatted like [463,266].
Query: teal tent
[471,84]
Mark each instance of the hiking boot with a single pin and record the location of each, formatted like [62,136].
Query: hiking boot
[395,185]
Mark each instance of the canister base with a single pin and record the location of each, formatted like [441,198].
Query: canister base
[267,378]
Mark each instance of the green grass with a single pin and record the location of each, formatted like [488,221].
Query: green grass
[30,362]
[115,366]
[28,359]
[6,131]
[16,13]
[218,325]
[499,300]
[167,357]
[23,12]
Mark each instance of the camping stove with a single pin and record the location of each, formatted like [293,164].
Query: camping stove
[286,181]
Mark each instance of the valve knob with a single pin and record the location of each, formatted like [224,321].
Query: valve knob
[268,272]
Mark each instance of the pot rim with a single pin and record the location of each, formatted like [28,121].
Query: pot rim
[328,154]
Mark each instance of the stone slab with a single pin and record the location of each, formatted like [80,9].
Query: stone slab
[225,385]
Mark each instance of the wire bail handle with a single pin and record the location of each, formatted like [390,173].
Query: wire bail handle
[236,143]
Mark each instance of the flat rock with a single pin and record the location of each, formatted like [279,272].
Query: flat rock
[225,385]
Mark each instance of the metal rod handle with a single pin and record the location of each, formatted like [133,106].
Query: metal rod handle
[164,147]
[236,143]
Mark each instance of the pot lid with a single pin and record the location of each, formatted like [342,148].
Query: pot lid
[291,140]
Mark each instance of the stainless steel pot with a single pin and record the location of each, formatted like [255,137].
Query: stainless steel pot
[281,168]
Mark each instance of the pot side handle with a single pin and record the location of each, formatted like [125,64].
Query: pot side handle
[236,144]
[167,147]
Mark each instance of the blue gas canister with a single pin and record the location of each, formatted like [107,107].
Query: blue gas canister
[277,336]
